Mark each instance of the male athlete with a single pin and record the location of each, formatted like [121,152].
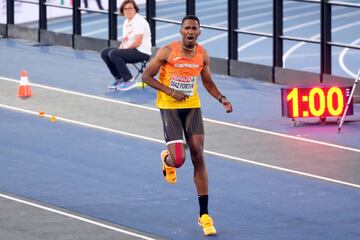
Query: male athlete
[180,63]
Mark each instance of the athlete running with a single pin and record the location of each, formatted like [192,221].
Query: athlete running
[180,64]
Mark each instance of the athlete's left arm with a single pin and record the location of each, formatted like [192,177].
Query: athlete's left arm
[210,85]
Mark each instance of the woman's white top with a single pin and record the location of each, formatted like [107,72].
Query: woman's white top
[137,25]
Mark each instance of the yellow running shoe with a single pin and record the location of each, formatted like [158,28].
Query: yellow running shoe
[169,172]
[207,224]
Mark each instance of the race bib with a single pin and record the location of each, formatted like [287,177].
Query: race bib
[183,84]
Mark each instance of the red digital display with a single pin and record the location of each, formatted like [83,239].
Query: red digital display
[315,102]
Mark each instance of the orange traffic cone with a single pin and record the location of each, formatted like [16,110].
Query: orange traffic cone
[24,87]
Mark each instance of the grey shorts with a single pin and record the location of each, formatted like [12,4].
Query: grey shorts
[178,123]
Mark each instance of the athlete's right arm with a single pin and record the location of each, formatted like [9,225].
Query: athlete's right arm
[153,69]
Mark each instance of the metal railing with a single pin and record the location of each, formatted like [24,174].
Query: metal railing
[232,28]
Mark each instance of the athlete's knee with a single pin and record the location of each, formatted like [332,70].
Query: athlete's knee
[197,153]
[178,155]
[197,158]
[178,159]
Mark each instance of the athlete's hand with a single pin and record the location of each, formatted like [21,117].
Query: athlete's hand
[227,105]
[179,96]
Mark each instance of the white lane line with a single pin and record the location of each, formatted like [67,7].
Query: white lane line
[209,16]
[84,124]
[249,44]
[317,36]
[297,27]
[263,14]
[261,24]
[82,94]
[63,20]
[283,135]
[163,6]
[284,169]
[211,39]
[296,55]
[341,59]
[177,34]
[205,151]
[87,24]
[90,22]
[100,21]
[296,16]
[205,119]
[179,9]
[171,36]
[83,219]
[241,10]
[218,7]
[101,30]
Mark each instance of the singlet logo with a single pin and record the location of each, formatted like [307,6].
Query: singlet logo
[186,65]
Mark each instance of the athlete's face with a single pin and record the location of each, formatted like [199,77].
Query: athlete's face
[190,31]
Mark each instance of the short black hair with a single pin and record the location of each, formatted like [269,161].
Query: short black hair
[192,17]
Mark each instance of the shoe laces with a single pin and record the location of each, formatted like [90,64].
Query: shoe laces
[206,221]
[170,170]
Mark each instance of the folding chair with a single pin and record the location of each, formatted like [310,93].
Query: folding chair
[140,67]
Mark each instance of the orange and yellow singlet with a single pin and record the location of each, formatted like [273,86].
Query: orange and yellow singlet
[181,74]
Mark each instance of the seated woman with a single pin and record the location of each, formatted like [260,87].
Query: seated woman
[135,47]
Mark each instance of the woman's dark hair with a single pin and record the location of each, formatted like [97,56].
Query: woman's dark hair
[127,2]
[192,17]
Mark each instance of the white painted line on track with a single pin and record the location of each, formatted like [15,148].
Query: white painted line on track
[341,59]
[295,16]
[171,36]
[317,36]
[283,135]
[82,94]
[208,16]
[242,10]
[248,44]
[205,151]
[263,14]
[206,6]
[83,219]
[179,9]
[299,55]
[296,55]
[84,124]
[284,169]
[87,24]
[219,36]
[211,39]
[101,30]
[62,20]
[262,24]
[205,119]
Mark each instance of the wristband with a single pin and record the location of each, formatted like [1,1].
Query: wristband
[220,98]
